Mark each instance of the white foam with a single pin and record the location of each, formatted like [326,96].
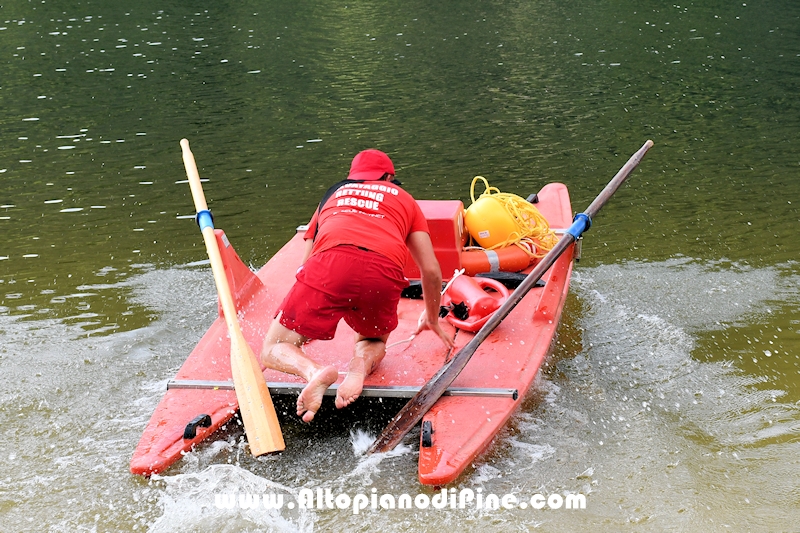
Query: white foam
[189,503]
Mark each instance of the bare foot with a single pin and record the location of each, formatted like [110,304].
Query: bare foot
[353,383]
[310,398]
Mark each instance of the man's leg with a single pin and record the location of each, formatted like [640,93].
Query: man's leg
[368,353]
[281,351]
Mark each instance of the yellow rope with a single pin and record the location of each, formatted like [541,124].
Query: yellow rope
[533,233]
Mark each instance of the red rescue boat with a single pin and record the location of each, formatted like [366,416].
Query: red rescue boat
[461,424]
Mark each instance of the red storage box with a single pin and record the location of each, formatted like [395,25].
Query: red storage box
[446,224]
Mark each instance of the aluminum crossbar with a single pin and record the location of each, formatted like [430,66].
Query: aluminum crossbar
[368,391]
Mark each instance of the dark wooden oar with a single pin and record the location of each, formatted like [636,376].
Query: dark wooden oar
[430,393]
[255,403]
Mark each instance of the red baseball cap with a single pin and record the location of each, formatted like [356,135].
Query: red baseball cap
[370,165]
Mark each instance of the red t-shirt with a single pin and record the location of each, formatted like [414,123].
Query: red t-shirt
[375,215]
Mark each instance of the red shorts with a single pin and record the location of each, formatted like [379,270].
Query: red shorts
[347,282]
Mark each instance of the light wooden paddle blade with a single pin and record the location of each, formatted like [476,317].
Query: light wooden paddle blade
[255,403]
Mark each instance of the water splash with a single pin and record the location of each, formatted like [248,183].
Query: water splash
[642,331]
[361,441]
[190,503]
[369,465]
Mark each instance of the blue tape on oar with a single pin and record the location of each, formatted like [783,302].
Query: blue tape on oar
[205,219]
[580,223]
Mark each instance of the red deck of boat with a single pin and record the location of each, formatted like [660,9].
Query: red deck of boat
[463,426]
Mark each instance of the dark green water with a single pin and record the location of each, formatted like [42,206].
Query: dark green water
[680,346]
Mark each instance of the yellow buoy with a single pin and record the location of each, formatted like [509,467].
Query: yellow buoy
[496,220]
[488,222]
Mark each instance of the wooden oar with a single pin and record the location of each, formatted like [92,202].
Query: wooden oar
[255,403]
[429,394]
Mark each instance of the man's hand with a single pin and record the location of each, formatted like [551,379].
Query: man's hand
[423,323]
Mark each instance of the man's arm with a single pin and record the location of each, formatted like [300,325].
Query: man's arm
[310,235]
[309,244]
[419,244]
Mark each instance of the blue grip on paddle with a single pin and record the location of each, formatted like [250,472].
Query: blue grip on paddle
[580,223]
[204,219]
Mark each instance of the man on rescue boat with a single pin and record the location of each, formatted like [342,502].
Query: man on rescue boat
[356,246]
